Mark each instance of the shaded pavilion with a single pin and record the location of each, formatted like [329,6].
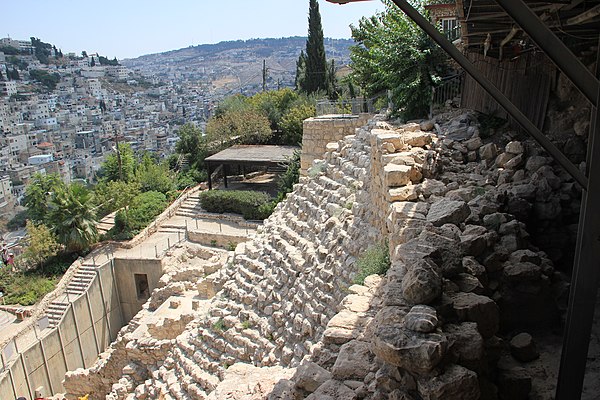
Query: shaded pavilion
[269,156]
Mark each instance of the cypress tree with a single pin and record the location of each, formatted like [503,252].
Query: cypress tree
[300,71]
[316,64]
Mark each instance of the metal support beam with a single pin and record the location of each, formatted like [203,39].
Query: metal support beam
[554,48]
[585,277]
[493,91]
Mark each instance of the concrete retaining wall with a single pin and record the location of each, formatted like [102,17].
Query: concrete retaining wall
[89,325]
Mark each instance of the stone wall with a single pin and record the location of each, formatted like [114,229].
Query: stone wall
[319,131]
[460,267]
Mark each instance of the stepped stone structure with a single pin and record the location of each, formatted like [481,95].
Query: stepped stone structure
[281,317]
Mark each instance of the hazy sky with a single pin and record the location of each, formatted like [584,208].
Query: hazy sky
[130,28]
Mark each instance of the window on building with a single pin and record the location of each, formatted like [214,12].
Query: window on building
[450,27]
[141,286]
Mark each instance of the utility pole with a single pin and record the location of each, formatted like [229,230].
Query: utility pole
[264,76]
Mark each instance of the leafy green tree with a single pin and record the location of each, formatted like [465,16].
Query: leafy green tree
[119,165]
[48,80]
[153,176]
[291,123]
[142,210]
[316,65]
[392,53]
[84,54]
[244,126]
[113,195]
[191,143]
[274,104]
[41,245]
[38,191]
[93,63]
[72,218]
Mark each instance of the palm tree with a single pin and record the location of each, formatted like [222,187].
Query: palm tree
[72,218]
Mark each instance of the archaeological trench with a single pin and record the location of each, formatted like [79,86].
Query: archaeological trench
[480,226]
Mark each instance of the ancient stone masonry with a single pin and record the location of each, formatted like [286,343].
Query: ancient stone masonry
[463,276]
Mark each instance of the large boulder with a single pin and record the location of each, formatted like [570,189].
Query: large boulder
[422,283]
[479,309]
[456,383]
[353,362]
[447,211]
[415,352]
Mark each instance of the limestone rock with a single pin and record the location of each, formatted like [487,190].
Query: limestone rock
[447,211]
[523,271]
[404,193]
[515,147]
[426,126]
[353,362]
[431,187]
[422,283]
[465,342]
[468,283]
[397,175]
[536,162]
[243,380]
[421,319]
[488,151]
[333,390]
[456,383]
[285,389]
[523,348]
[415,352]
[479,309]
[309,376]
[417,138]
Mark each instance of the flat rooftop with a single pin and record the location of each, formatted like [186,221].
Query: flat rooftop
[253,154]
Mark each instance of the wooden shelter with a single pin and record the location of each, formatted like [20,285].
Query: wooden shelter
[248,155]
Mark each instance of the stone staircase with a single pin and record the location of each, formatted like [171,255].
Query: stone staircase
[106,223]
[279,292]
[55,312]
[190,207]
[77,286]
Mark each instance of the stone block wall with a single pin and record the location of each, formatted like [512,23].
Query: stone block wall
[427,329]
[319,131]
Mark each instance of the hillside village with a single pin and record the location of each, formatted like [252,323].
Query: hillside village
[70,127]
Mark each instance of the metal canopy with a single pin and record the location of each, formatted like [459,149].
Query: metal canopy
[586,269]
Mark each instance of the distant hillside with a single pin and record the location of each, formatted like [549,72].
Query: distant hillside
[235,66]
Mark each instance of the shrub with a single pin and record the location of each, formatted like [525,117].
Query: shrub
[25,288]
[18,221]
[376,260]
[250,204]
[142,210]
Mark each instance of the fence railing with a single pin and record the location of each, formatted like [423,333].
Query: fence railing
[346,107]
[449,89]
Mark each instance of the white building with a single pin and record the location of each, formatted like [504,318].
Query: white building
[118,72]
[7,199]
[40,159]
[8,88]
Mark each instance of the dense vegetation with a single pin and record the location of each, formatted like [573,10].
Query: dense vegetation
[251,205]
[45,78]
[393,54]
